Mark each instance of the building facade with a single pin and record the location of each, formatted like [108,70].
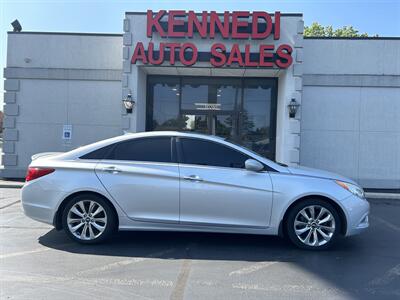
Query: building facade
[231,74]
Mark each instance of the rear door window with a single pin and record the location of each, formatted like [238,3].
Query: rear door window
[152,149]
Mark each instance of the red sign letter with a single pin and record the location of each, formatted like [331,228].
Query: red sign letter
[236,24]
[247,61]
[277,28]
[215,21]
[201,27]
[235,56]
[172,47]
[182,54]
[139,54]
[150,53]
[221,55]
[284,51]
[261,35]
[172,22]
[264,55]
[154,22]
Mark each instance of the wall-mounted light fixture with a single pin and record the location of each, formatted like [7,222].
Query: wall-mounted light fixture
[129,103]
[293,107]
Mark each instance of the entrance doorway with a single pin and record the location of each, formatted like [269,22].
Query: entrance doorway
[242,110]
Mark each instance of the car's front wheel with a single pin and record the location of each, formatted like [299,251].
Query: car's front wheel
[313,224]
[88,219]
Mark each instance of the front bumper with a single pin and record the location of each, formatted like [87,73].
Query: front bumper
[357,212]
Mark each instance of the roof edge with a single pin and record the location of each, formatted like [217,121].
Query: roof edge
[220,14]
[67,33]
[352,38]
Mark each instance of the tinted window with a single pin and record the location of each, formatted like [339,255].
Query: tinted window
[200,152]
[98,154]
[145,149]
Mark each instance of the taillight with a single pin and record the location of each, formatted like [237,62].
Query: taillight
[34,173]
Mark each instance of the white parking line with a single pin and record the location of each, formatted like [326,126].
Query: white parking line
[37,250]
[131,282]
[388,224]
[9,204]
[46,279]
[253,268]
[329,291]
[122,263]
[387,278]
[2,256]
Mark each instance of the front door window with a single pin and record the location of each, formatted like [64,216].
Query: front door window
[239,110]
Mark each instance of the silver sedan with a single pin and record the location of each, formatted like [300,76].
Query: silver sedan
[175,181]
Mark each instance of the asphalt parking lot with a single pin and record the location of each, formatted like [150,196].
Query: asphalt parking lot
[37,262]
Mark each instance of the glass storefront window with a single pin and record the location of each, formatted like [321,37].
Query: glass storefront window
[164,113]
[240,110]
[193,93]
[258,118]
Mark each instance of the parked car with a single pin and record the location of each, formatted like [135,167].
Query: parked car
[174,181]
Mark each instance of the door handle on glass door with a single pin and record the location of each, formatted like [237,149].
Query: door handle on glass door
[111,169]
[193,178]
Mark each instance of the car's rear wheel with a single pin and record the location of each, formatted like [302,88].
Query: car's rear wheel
[88,219]
[313,224]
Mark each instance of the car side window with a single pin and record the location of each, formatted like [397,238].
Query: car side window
[208,153]
[98,154]
[153,149]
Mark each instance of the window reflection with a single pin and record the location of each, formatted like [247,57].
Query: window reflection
[166,107]
[196,123]
[256,117]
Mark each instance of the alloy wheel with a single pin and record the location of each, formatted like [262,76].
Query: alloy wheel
[314,225]
[87,220]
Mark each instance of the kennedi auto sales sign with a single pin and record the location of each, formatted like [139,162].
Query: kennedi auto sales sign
[208,25]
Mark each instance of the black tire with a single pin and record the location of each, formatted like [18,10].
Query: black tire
[290,224]
[110,224]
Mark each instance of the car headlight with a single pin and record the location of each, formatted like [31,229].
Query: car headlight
[352,188]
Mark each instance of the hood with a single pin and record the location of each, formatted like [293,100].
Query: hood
[319,174]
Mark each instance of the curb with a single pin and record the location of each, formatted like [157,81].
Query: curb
[11,186]
[391,196]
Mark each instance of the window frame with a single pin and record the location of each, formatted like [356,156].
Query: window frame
[181,156]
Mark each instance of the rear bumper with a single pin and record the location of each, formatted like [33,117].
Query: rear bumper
[38,213]
[39,202]
[357,211]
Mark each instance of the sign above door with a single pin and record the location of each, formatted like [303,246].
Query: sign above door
[237,25]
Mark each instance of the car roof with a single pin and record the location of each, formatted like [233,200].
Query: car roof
[76,153]
[172,133]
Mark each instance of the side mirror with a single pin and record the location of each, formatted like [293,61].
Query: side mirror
[253,165]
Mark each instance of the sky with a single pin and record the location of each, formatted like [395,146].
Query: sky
[380,17]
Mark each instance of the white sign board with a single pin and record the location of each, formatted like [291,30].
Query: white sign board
[208,106]
[67,132]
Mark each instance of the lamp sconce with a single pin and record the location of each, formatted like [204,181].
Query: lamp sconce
[293,107]
[129,103]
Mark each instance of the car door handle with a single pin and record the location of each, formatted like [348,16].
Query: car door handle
[111,169]
[193,178]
